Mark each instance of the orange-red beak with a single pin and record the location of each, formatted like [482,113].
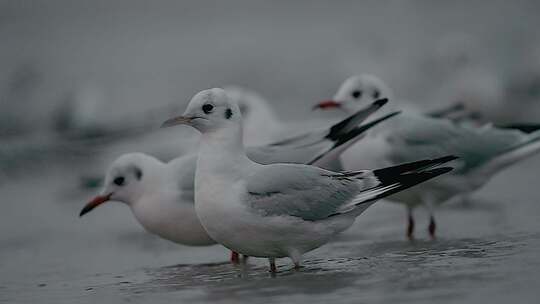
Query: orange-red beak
[96,201]
[327,104]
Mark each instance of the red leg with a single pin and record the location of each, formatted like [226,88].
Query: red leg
[273,268]
[235,257]
[410,226]
[432,227]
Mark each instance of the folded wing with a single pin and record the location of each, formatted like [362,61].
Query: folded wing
[315,194]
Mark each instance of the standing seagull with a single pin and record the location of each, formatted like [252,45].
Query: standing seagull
[483,151]
[278,210]
[160,195]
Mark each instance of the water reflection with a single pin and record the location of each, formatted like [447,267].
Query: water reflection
[226,280]
[417,270]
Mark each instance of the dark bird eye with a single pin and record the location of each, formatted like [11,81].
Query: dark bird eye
[207,108]
[119,181]
[376,94]
[356,94]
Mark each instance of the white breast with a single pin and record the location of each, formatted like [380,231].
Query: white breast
[231,222]
[172,219]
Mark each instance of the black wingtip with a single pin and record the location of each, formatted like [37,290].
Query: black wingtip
[350,136]
[404,181]
[381,102]
[363,128]
[413,167]
[523,127]
[439,171]
[349,123]
[444,159]
[409,180]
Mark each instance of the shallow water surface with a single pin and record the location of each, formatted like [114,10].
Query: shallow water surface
[486,250]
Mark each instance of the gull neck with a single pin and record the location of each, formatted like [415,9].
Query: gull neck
[222,149]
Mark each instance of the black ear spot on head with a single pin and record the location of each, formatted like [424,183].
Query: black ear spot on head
[243,109]
[138,173]
[228,113]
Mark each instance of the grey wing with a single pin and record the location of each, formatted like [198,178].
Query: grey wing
[287,153]
[320,147]
[184,175]
[424,137]
[302,191]
[305,139]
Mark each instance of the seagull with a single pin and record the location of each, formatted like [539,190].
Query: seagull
[278,210]
[161,195]
[483,151]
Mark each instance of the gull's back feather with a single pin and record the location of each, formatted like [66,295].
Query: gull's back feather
[315,194]
[424,137]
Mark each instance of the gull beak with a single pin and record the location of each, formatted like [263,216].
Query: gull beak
[96,201]
[327,104]
[179,120]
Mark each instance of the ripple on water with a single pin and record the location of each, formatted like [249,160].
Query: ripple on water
[439,269]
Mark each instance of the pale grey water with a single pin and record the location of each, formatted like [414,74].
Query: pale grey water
[141,56]
[485,252]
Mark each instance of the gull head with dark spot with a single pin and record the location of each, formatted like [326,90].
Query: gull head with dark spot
[279,209]
[356,93]
[160,196]
[208,111]
[124,181]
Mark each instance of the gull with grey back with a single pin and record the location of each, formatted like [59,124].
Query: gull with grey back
[161,195]
[483,151]
[278,210]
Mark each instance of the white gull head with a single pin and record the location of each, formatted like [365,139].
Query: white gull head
[359,91]
[209,111]
[155,194]
[126,180]
[261,123]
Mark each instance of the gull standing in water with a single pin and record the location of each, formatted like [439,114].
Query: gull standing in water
[161,195]
[278,210]
[482,151]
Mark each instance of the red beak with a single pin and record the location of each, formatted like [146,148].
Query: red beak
[98,200]
[327,104]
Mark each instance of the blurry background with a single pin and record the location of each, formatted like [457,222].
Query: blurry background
[73,71]
[136,55]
